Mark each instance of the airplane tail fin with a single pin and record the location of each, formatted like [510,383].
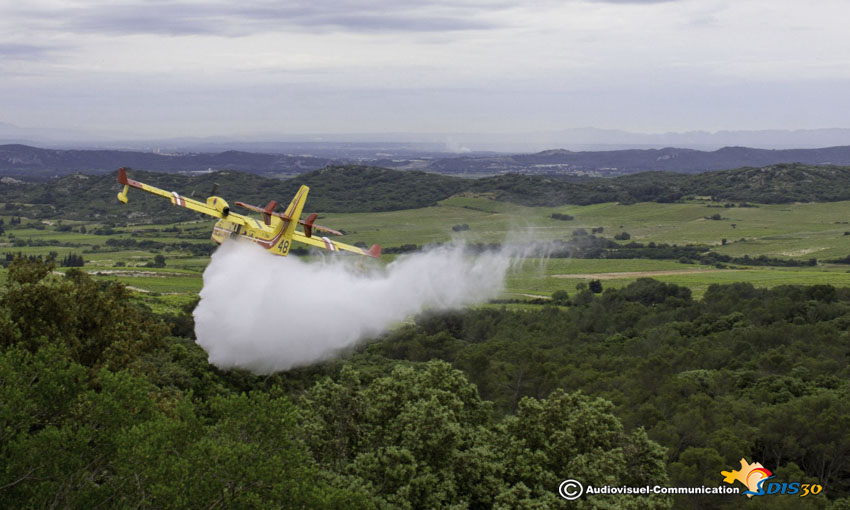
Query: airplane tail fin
[374,251]
[122,179]
[294,209]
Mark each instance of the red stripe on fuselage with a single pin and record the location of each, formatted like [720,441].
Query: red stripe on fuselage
[265,243]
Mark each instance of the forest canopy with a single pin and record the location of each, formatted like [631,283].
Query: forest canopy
[104,403]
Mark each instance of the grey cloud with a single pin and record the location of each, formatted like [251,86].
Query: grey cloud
[372,20]
[253,17]
[635,1]
[175,19]
[29,52]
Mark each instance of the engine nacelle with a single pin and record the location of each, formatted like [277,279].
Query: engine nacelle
[219,204]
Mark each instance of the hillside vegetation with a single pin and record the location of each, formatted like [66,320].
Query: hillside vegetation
[106,404]
[774,184]
[333,189]
[107,401]
[370,189]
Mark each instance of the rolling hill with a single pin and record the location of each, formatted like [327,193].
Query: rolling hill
[348,188]
[620,162]
[33,162]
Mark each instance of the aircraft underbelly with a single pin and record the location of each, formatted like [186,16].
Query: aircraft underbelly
[224,230]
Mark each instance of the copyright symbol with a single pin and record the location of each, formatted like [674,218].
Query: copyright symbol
[571,489]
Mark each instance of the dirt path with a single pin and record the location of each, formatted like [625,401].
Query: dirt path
[134,273]
[632,274]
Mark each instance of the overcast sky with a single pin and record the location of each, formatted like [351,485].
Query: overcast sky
[200,68]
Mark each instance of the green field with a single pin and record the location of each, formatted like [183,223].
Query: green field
[796,231]
[793,231]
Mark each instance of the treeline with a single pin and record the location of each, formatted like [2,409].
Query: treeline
[783,183]
[588,246]
[333,189]
[352,188]
[73,260]
[69,260]
[583,245]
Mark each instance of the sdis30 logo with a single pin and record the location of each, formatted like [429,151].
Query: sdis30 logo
[754,476]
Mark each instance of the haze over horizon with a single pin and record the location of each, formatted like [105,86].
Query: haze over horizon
[141,70]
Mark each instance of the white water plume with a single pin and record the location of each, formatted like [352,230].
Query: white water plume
[267,313]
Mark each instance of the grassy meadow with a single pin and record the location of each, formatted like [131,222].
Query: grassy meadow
[792,231]
[795,231]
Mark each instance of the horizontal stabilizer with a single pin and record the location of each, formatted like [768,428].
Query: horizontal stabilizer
[310,226]
[265,211]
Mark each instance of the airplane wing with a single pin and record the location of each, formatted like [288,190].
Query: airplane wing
[327,244]
[309,223]
[216,207]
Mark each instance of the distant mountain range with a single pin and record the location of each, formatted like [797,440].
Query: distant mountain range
[359,144]
[621,162]
[24,161]
[613,139]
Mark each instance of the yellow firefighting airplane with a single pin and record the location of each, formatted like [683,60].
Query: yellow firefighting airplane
[275,233]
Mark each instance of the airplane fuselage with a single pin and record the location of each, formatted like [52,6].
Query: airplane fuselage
[270,237]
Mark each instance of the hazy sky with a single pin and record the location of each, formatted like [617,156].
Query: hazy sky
[199,68]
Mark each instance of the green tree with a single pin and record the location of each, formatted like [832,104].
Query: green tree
[416,438]
[560,297]
[246,453]
[696,467]
[572,436]
[60,427]
[158,261]
[98,323]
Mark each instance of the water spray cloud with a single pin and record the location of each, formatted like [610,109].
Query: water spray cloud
[266,313]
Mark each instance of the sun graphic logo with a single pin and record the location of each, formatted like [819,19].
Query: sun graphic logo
[751,475]
[754,476]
